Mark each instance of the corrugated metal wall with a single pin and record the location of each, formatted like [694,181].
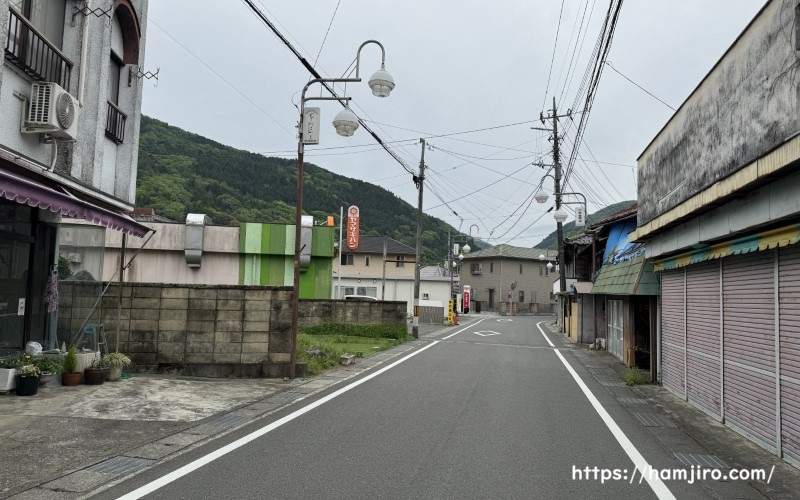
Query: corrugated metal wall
[703,336]
[749,345]
[790,352]
[672,331]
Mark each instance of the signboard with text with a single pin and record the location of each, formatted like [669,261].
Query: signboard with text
[310,130]
[466,298]
[353,223]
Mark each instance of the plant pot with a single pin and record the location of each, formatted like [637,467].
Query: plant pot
[94,376]
[27,386]
[8,379]
[70,379]
[45,378]
[114,373]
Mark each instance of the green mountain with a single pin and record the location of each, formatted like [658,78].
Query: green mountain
[181,172]
[570,230]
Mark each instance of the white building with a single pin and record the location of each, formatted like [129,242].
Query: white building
[70,102]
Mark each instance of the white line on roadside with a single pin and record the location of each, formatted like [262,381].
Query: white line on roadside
[658,486]
[463,329]
[192,466]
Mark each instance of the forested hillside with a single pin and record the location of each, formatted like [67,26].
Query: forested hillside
[180,172]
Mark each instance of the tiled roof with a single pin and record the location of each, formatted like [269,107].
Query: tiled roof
[511,252]
[582,239]
[622,214]
[374,244]
[435,272]
[631,277]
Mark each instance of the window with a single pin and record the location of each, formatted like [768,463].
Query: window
[399,258]
[115,118]
[35,33]
[366,260]
[347,260]
[520,271]
[491,267]
[521,296]
[543,271]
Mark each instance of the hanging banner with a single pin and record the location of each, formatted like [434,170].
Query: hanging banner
[310,130]
[352,227]
[466,298]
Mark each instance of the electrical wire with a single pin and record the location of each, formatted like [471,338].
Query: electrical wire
[640,87]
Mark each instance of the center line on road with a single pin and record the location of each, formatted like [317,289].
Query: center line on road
[192,466]
[656,484]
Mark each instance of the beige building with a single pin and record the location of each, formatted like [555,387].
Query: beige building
[504,274]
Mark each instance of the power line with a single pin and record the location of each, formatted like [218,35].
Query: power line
[640,87]
[327,31]
[555,46]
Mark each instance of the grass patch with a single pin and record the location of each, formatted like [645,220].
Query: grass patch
[335,340]
[397,332]
[634,377]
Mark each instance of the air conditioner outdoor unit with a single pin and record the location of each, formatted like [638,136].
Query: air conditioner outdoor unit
[51,110]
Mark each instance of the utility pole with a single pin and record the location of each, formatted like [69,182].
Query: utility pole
[562,279]
[420,181]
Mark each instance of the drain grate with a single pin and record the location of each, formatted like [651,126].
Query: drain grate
[601,371]
[119,466]
[229,421]
[612,384]
[710,461]
[653,420]
[632,401]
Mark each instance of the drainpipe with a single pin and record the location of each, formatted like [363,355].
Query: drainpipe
[84,50]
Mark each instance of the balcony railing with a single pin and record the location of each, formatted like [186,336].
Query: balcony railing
[33,54]
[115,123]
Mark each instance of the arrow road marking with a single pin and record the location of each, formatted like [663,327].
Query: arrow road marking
[486,333]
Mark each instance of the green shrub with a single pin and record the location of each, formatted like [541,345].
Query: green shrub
[49,364]
[397,332]
[71,360]
[634,377]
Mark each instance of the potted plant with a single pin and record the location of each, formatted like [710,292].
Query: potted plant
[95,374]
[50,366]
[8,372]
[115,362]
[71,376]
[27,380]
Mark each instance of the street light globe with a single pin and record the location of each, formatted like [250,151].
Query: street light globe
[381,82]
[542,257]
[460,256]
[549,266]
[466,248]
[345,122]
[540,196]
[560,215]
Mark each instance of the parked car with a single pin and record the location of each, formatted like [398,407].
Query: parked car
[359,297]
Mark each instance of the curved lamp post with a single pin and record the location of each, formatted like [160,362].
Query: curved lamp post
[346,123]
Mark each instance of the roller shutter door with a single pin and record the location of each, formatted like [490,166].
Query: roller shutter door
[703,384]
[749,346]
[790,352]
[673,331]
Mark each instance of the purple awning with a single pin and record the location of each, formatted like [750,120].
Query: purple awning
[36,195]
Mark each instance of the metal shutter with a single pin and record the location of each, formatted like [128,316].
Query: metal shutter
[672,331]
[703,385]
[749,345]
[790,352]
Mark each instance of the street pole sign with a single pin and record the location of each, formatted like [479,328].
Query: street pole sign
[353,223]
[466,298]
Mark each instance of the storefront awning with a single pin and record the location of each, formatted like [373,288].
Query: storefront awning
[780,237]
[36,195]
[630,277]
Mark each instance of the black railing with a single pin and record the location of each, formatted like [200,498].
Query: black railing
[33,54]
[115,123]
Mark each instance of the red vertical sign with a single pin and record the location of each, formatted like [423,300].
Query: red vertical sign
[352,227]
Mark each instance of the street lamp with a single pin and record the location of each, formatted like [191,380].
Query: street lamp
[477,236]
[346,123]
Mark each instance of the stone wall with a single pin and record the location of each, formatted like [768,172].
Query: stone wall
[217,330]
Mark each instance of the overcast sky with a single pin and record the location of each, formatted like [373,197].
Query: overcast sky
[460,66]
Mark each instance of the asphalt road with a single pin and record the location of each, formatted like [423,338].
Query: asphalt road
[490,410]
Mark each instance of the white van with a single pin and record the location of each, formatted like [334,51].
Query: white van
[359,297]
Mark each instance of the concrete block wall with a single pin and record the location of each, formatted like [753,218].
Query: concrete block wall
[213,330]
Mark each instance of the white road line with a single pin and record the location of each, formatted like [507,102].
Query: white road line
[192,466]
[463,329]
[658,486]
